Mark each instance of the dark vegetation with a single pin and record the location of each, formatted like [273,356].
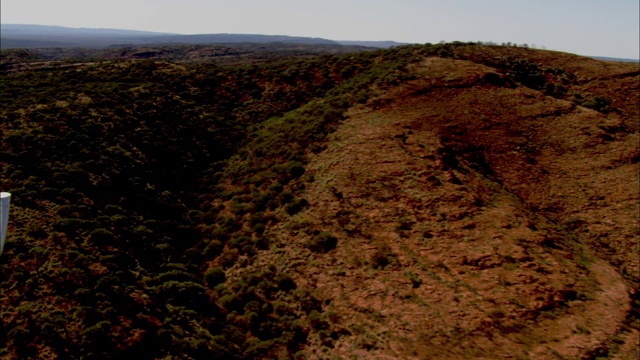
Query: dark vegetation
[47,58]
[140,184]
[137,184]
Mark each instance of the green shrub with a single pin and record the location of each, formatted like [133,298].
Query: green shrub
[102,237]
[598,104]
[295,206]
[382,257]
[404,223]
[213,249]
[213,277]
[295,169]
[36,231]
[323,242]
[258,228]
[68,225]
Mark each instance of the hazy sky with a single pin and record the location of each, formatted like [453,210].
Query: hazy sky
[588,27]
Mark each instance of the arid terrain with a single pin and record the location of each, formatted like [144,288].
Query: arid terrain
[475,219]
[451,201]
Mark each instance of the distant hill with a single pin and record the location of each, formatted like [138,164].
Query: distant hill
[376,44]
[616,59]
[11,43]
[238,38]
[11,30]
[32,36]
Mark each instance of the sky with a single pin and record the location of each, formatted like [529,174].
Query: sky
[587,27]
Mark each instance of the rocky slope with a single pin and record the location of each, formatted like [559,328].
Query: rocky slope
[475,218]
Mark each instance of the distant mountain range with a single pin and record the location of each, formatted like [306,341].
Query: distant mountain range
[35,36]
[615,59]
